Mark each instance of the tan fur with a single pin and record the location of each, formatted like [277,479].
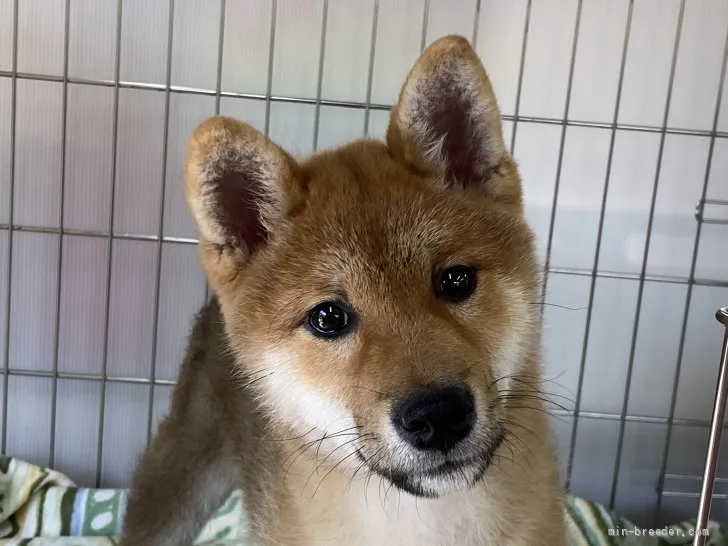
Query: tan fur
[264,405]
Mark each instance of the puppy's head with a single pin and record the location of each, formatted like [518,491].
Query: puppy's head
[377,294]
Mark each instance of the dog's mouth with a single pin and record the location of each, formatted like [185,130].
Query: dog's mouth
[453,467]
[445,477]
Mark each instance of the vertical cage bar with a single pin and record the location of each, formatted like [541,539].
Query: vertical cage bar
[220,53]
[524,45]
[218,84]
[271,56]
[160,225]
[425,22]
[716,428]
[476,23]
[643,271]
[110,246]
[320,82]
[559,166]
[691,276]
[600,230]
[370,75]
[552,219]
[11,197]
[587,326]
[64,136]
[630,365]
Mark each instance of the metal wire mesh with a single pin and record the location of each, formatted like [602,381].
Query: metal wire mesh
[662,484]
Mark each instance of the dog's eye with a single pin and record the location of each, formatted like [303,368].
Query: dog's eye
[455,283]
[329,319]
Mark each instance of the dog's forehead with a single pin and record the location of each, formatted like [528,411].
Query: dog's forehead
[369,220]
[370,205]
[361,188]
[350,172]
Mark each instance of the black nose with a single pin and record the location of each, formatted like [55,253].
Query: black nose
[435,418]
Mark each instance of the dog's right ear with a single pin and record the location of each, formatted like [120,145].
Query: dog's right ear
[239,186]
[446,124]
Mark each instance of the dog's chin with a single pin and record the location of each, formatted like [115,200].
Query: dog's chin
[440,482]
[449,477]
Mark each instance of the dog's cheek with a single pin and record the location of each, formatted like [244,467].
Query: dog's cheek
[295,403]
[511,353]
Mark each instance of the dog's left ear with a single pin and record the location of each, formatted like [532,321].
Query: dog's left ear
[447,125]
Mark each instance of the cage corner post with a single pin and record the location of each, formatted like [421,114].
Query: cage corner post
[716,428]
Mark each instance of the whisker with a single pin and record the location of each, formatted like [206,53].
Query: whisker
[326,436]
[371,474]
[315,471]
[330,471]
[340,433]
[256,379]
[386,492]
[363,437]
[302,448]
[544,396]
[294,437]
[547,304]
[504,458]
[513,424]
[534,388]
[363,463]
[240,374]
[524,398]
[529,378]
[382,394]
[544,411]
[512,446]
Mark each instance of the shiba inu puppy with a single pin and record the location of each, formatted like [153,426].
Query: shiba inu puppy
[368,371]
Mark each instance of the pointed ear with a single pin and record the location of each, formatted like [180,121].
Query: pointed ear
[239,186]
[446,123]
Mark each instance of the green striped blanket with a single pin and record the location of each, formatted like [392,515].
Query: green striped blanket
[42,507]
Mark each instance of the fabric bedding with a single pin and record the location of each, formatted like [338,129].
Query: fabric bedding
[42,507]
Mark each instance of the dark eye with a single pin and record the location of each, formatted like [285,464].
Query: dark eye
[455,283]
[329,319]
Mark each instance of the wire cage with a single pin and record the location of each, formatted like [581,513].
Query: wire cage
[614,109]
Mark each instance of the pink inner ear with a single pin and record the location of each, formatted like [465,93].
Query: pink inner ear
[237,211]
[446,116]
[461,144]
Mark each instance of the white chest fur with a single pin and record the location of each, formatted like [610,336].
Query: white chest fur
[370,512]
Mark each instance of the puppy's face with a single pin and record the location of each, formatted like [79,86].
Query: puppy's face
[377,295]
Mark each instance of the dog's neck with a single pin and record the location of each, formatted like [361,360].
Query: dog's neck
[337,506]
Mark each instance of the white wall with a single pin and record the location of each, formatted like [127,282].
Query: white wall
[144,171]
